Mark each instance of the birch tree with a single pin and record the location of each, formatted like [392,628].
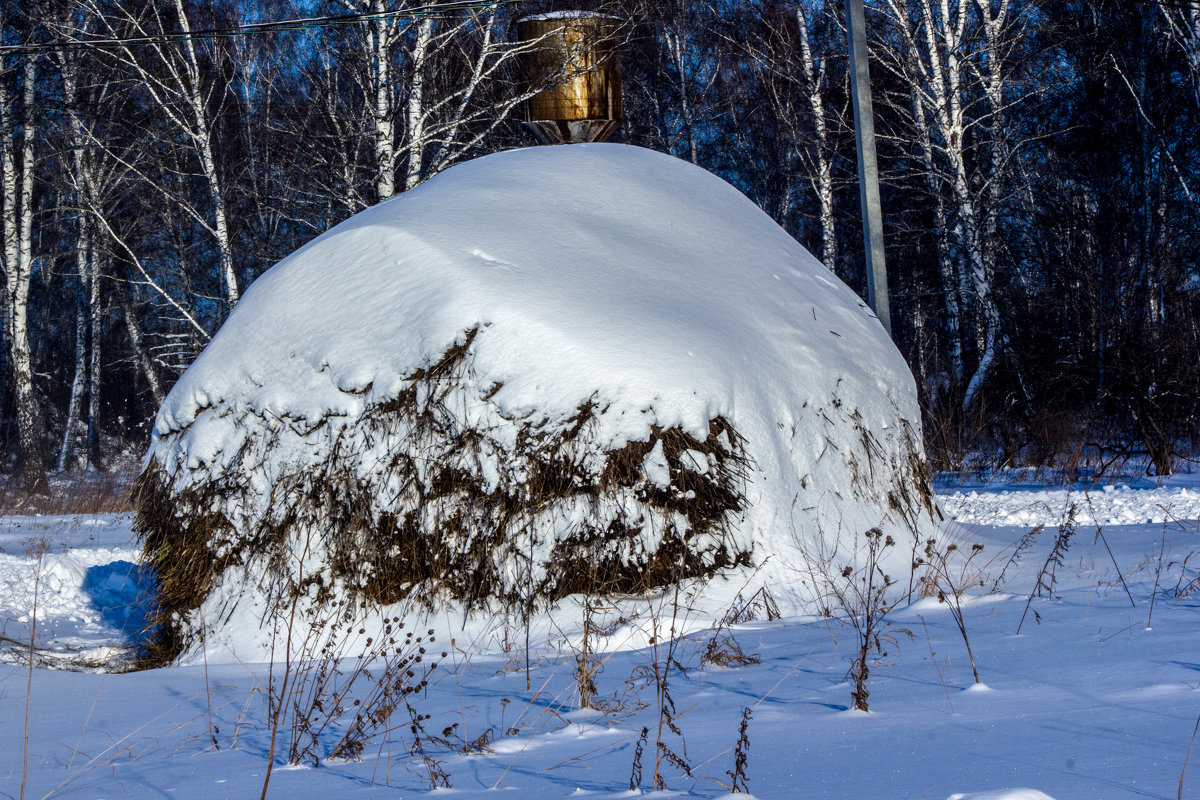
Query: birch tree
[107,175]
[793,69]
[19,131]
[1182,19]
[189,95]
[948,53]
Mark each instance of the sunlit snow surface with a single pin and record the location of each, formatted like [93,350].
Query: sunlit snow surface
[1088,702]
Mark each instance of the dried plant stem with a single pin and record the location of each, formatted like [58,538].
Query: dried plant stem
[1157,572]
[278,710]
[951,585]
[933,658]
[1046,576]
[863,599]
[737,775]
[37,580]
[1188,757]
[635,772]
[212,735]
[1125,586]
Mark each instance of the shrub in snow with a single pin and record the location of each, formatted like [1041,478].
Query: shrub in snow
[586,368]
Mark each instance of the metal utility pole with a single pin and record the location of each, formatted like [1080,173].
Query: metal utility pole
[868,167]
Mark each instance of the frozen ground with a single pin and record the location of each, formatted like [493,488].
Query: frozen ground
[1095,698]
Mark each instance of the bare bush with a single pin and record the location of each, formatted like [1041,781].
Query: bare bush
[722,649]
[949,577]
[341,685]
[860,595]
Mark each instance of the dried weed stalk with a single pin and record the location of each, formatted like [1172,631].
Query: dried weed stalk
[737,775]
[1048,574]
[664,664]
[950,581]
[635,772]
[722,649]
[340,686]
[862,598]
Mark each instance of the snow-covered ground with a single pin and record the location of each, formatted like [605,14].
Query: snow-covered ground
[1097,697]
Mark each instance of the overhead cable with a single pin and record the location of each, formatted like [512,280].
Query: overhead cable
[250,28]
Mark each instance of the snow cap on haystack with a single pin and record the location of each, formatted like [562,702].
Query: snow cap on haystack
[579,368]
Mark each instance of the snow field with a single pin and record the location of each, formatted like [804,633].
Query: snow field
[88,588]
[1087,702]
[1104,504]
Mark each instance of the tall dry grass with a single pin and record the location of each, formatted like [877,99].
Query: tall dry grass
[78,493]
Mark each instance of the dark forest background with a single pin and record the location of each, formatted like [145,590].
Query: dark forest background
[1041,169]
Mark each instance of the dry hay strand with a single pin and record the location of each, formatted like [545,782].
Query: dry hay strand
[412,503]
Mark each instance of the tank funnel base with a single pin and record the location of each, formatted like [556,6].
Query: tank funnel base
[550,131]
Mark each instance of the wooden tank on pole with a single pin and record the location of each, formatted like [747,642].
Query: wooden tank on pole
[571,63]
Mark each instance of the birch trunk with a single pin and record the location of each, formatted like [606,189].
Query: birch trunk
[384,126]
[202,136]
[145,363]
[993,26]
[1183,23]
[18,272]
[416,104]
[95,324]
[946,271]
[814,75]
[675,48]
[83,254]
[939,51]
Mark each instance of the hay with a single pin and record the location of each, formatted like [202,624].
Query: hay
[417,501]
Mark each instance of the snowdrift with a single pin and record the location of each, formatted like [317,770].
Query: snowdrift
[587,368]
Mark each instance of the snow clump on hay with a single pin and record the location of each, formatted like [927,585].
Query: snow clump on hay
[564,369]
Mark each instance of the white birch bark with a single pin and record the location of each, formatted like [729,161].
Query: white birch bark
[385,128]
[94,372]
[994,19]
[145,363]
[822,180]
[75,404]
[201,133]
[17,177]
[938,47]
[1183,23]
[946,269]
[416,103]
[674,41]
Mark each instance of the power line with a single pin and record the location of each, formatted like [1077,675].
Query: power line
[273,26]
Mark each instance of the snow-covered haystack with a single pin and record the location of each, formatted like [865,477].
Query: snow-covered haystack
[586,368]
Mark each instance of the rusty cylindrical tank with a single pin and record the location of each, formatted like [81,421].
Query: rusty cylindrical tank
[572,55]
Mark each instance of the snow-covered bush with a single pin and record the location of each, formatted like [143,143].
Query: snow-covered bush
[586,368]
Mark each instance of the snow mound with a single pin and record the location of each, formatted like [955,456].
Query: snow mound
[1108,505]
[597,354]
[1006,794]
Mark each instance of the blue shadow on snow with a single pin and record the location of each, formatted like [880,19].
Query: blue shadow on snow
[123,593]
